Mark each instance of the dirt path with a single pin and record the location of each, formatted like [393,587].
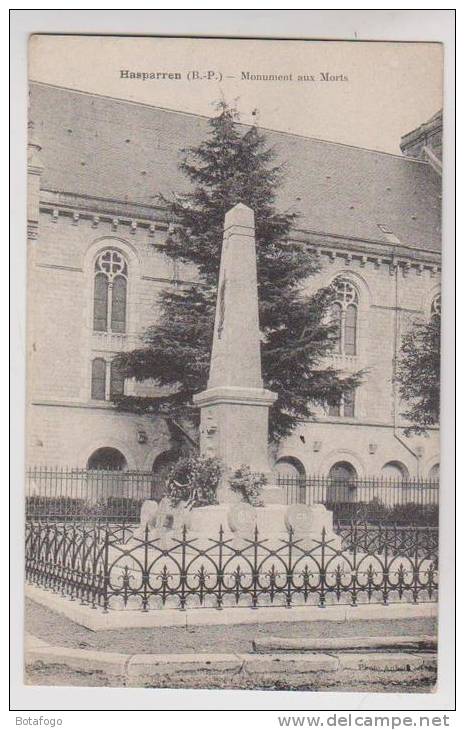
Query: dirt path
[416,681]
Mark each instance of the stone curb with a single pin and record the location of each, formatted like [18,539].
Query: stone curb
[267,644]
[150,665]
[79,659]
[289,663]
[96,620]
[387,662]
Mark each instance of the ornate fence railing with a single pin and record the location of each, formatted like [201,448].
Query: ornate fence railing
[116,567]
[397,539]
[407,501]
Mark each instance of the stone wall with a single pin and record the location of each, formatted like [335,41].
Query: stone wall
[66,435]
[316,447]
[64,423]
[390,301]
[66,426]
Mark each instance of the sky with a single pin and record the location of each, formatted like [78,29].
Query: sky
[380,90]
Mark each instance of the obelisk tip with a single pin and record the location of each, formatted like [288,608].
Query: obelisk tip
[240,215]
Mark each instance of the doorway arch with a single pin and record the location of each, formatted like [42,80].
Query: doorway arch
[107,458]
[106,477]
[161,467]
[288,467]
[290,474]
[343,482]
[394,470]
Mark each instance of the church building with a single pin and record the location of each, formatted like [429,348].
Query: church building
[96,263]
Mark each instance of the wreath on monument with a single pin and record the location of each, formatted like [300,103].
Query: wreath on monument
[194,480]
[248,484]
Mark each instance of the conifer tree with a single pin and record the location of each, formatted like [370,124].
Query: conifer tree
[419,374]
[234,164]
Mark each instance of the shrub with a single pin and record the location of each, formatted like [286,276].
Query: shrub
[376,512]
[68,509]
[248,484]
[194,479]
[62,508]
[115,509]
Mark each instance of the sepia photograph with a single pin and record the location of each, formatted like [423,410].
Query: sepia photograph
[233,364]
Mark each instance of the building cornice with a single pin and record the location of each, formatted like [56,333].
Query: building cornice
[373,247]
[360,422]
[118,214]
[321,420]
[103,406]
[131,217]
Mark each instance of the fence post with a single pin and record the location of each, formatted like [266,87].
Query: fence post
[106,572]
[255,568]
[145,570]
[322,590]
[386,569]
[183,581]
[219,572]
[354,567]
[289,568]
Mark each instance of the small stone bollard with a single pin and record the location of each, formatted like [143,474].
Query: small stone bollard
[148,514]
[307,523]
[164,518]
[181,517]
[242,518]
[298,519]
[320,518]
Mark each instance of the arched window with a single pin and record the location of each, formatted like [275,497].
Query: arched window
[99,370]
[161,468]
[110,292]
[118,308]
[436,306]
[348,404]
[345,407]
[290,474]
[434,472]
[100,302]
[342,471]
[336,320]
[350,329]
[343,484]
[107,459]
[107,380]
[288,467]
[116,381]
[344,316]
[394,470]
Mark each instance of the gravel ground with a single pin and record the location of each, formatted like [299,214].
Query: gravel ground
[58,630]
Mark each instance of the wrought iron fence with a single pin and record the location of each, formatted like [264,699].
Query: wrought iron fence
[123,568]
[408,501]
[398,539]
[116,496]
[66,494]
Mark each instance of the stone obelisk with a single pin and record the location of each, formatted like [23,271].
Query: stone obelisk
[235,406]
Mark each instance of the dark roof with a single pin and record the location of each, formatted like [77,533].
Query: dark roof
[111,148]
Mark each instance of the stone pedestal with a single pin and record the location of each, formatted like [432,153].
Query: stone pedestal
[234,426]
[238,522]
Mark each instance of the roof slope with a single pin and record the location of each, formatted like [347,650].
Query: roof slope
[103,147]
